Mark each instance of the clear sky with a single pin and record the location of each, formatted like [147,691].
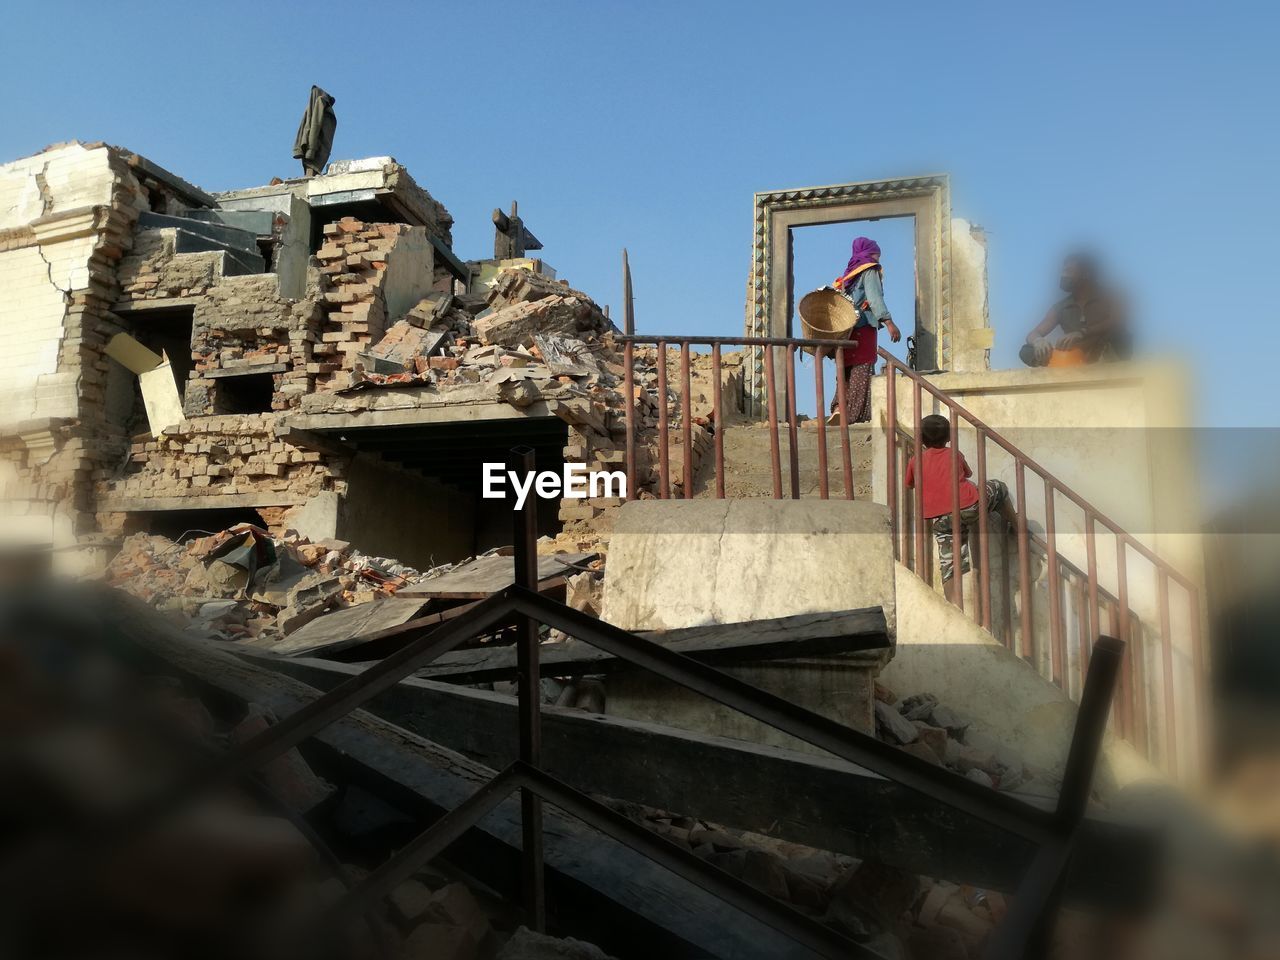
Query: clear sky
[1146,130]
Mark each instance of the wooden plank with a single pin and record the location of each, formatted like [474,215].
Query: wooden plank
[344,625]
[821,802]
[487,575]
[598,889]
[802,635]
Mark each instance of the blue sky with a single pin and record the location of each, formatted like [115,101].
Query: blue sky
[1145,130]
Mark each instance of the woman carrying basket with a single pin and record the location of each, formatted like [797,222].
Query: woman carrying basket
[862,284]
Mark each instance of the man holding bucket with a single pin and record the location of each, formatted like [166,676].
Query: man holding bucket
[862,284]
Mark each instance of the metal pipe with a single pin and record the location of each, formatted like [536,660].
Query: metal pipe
[719,422]
[1095,612]
[820,399]
[664,455]
[957,529]
[1056,651]
[984,546]
[846,454]
[771,396]
[629,391]
[1024,560]
[529,697]
[793,432]
[686,413]
[923,568]
[1006,593]
[891,463]
[1199,687]
[1122,631]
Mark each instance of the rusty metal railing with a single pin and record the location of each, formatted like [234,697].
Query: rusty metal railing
[1073,594]
[1149,712]
[1022,934]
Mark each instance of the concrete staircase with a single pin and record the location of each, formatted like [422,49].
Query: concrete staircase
[747,462]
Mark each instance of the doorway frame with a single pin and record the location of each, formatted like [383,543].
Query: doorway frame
[770,293]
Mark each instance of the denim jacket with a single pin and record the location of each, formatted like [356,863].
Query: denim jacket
[867,294]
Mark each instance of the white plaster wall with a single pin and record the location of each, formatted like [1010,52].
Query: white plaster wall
[37,278]
[969,313]
[75,176]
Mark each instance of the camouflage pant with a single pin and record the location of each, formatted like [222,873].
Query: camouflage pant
[997,494]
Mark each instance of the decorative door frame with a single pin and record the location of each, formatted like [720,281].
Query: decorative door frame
[926,199]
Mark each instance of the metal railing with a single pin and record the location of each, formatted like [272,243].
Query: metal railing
[1021,934]
[1149,709]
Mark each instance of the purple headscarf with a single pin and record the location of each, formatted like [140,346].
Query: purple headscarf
[865,250]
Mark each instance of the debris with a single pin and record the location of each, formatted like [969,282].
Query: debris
[894,725]
[527,945]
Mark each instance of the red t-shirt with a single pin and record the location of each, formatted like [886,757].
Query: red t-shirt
[936,489]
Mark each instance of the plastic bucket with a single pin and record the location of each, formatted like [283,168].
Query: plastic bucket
[1066,358]
[826,314]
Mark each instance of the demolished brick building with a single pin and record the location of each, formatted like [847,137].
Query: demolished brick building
[340,370]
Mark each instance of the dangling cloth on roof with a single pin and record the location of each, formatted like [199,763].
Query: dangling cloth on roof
[315,133]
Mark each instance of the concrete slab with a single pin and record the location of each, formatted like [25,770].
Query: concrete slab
[686,563]
[678,563]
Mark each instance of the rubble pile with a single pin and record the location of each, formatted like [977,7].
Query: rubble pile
[244,584]
[895,912]
[925,728]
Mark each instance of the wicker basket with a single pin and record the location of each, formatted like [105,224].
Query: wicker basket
[826,314]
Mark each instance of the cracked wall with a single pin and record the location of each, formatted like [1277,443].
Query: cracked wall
[65,218]
[47,240]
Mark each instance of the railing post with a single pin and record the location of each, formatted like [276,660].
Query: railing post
[984,545]
[1024,561]
[846,454]
[957,528]
[529,696]
[629,390]
[1166,654]
[1055,587]
[664,454]
[820,397]
[793,433]
[719,421]
[1095,612]
[891,455]
[686,412]
[771,396]
[923,570]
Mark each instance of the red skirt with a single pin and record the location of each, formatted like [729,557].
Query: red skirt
[865,351]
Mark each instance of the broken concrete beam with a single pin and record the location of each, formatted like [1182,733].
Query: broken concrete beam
[817,801]
[516,325]
[803,635]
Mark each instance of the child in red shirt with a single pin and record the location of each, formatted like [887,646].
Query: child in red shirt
[935,493]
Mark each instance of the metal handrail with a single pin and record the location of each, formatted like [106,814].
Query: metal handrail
[1135,701]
